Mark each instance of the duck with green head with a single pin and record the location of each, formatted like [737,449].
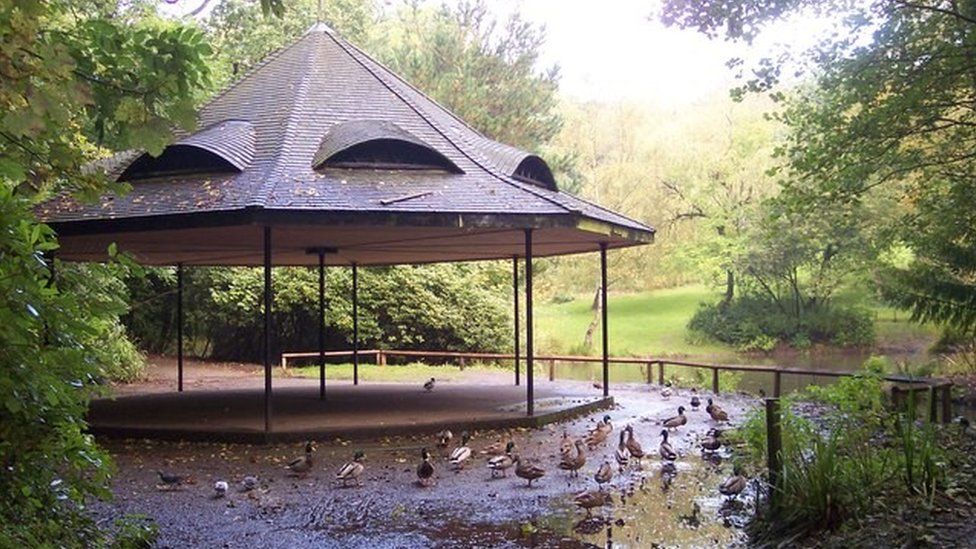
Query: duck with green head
[501,464]
[352,470]
[425,471]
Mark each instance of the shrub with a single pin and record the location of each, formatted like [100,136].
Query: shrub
[463,307]
[842,466]
[754,324]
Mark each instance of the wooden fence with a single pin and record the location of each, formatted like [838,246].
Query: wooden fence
[939,390]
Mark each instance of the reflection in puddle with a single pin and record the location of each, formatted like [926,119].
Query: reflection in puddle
[667,505]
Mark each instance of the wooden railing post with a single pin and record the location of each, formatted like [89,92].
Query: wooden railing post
[650,373]
[774,449]
[660,372]
[947,403]
[461,363]
[715,380]
[552,370]
[777,383]
[933,408]
[381,357]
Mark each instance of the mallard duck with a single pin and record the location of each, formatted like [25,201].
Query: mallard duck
[497,448]
[503,462]
[249,483]
[170,480]
[527,470]
[302,465]
[461,454]
[425,471]
[352,470]
[574,462]
[667,391]
[600,433]
[964,424]
[429,385]
[595,438]
[604,474]
[711,442]
[622,455]
[676,421]
[717,413]
[566,445]
[666,451]
[444,438]
[220,488]
[695,401]
[733,485]
[592,499]
[636,451]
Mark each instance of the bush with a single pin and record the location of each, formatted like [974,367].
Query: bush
[840,467]
[462,307]
[754,324]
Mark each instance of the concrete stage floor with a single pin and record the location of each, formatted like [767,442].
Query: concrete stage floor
[363,411]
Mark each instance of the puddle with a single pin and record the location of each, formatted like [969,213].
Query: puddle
[664,506]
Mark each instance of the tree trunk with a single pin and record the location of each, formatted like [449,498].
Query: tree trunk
[596,307]
[729,289]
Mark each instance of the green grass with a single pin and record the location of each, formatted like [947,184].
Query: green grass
[646,323]
[406,373]
[655,323]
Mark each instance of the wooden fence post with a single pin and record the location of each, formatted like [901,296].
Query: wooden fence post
[650,373]
[774,449]
[461,364]
[660,372]
[715,380]
[777,384]
[381,357]
[946,403]
[933,408]
[552,370]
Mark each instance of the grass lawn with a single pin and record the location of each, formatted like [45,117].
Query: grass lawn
[655,323]
[646,323]
[406,373]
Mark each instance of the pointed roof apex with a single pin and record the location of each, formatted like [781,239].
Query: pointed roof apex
[320,26]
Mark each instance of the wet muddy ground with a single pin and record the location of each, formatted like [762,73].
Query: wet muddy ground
[652,506]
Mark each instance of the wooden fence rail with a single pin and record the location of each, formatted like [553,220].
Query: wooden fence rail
[936,388]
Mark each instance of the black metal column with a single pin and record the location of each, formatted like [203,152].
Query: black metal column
[322,324]
[603,309]
[529,355]
[515,292]
[267,329]
[355,324]
[179,327]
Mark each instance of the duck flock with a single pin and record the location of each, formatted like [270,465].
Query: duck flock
[503,456]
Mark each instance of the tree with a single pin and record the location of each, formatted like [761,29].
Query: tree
[482,69]
[462,307]
[242,35]
[76,78]
[889,109]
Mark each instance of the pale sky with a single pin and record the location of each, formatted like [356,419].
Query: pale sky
[613,50]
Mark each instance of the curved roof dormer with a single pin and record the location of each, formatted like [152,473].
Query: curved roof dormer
[521,165]
[226,146]
[378,144]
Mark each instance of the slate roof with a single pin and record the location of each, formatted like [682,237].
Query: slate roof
[303,103]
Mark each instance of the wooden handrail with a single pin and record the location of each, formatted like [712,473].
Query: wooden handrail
[936,382]
[915,384]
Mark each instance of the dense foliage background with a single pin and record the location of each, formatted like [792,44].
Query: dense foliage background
[463,307]
[76,79]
